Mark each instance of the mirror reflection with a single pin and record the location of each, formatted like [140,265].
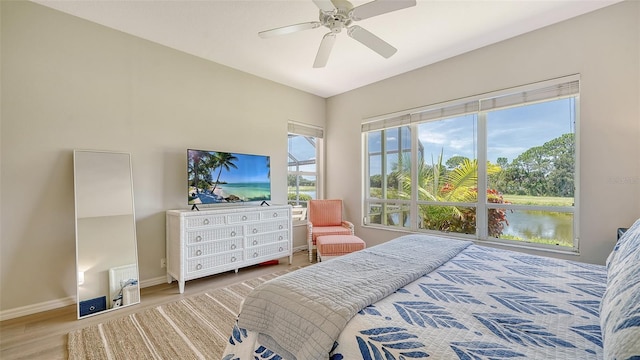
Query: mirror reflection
[106,252]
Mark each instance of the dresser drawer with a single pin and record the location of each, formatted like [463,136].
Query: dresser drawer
[274,214]
[198,236]
[243,217]
[269,238]
[206,220]
[267,226]
[267,250]
[93,306]
[209,262]
[214,247]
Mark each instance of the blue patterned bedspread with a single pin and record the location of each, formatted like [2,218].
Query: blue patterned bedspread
[485,303]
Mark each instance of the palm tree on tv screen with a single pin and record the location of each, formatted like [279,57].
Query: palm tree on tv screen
[194,164]
[199,164]
[223,160]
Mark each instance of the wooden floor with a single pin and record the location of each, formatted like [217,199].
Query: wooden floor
[44,335]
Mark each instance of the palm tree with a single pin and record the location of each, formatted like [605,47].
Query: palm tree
[438,184]
[192,168]
[223,160]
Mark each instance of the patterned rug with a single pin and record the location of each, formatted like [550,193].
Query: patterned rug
[196,327]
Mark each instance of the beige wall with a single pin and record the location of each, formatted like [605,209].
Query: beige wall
[603,46]
[71,84]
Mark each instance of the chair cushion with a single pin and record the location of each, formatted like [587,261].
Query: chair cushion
[335,245]
[325,212]
[329,230]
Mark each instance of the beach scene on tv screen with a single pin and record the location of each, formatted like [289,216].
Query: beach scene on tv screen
[220,177]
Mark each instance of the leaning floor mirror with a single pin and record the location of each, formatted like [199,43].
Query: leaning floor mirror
[106,250]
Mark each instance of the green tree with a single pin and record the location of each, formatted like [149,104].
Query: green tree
[454,161]
[199,164]
[546,170]
[438,184]
[223,160]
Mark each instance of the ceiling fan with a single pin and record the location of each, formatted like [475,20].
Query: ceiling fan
[338,14]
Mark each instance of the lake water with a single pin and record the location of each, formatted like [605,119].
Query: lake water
[538,224]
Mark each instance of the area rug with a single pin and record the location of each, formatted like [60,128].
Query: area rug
[196,327]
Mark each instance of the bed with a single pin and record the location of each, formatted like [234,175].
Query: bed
[422,296]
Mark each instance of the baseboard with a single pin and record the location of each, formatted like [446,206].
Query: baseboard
[153,282]
[300,248]
[36,308]
[71,300]
[55,304]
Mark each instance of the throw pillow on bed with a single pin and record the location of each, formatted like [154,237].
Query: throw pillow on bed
[620,307]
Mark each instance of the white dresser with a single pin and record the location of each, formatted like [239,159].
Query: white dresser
[211,241]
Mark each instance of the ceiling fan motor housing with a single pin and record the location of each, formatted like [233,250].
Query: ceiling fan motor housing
[339,18]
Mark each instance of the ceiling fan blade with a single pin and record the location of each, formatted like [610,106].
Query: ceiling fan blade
[325,5]
[379,7]
[371,41]
[325,49]
[289,29]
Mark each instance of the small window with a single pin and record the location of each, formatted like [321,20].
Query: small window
[304,144]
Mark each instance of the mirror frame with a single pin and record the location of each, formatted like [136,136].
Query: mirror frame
[112,269]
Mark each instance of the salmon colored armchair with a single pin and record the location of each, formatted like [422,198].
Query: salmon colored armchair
[325,218]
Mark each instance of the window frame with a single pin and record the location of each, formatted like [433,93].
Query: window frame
[308,131]
[567,87]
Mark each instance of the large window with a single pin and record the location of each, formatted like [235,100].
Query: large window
[304,147]
[424,168]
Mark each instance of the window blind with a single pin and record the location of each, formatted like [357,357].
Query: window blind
[459,109]
[556,91]
[387,123]
[546,90]
[304,129]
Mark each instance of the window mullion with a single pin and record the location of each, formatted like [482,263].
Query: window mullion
[413,207]
[481,208]
[383,177]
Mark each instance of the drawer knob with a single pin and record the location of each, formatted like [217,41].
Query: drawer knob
[199,267]
[199,252]
[244,217]
[198,238]
[233,246]
[254,230]
[280,248]
[275,214]
[206,221]
[281,237]
[233,233]
[280,227]
[233,259]
[255,255]
[92,307]
[255,242]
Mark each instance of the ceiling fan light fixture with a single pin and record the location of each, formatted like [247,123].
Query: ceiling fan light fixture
[338,14]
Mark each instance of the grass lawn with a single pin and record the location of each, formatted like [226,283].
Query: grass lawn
[538,200]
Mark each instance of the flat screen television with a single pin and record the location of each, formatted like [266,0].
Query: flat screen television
[217,177]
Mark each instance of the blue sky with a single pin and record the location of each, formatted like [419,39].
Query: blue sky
[250,168]
[510,132]
[302,150]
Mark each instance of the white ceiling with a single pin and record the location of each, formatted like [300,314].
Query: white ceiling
[225,31]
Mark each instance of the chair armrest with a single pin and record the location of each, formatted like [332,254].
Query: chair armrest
[309,229]
[348,225]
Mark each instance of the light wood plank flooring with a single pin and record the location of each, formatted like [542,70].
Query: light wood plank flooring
[44,335]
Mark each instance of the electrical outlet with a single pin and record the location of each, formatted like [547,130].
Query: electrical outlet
[163,263]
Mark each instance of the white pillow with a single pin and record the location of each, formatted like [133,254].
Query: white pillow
[620,306]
